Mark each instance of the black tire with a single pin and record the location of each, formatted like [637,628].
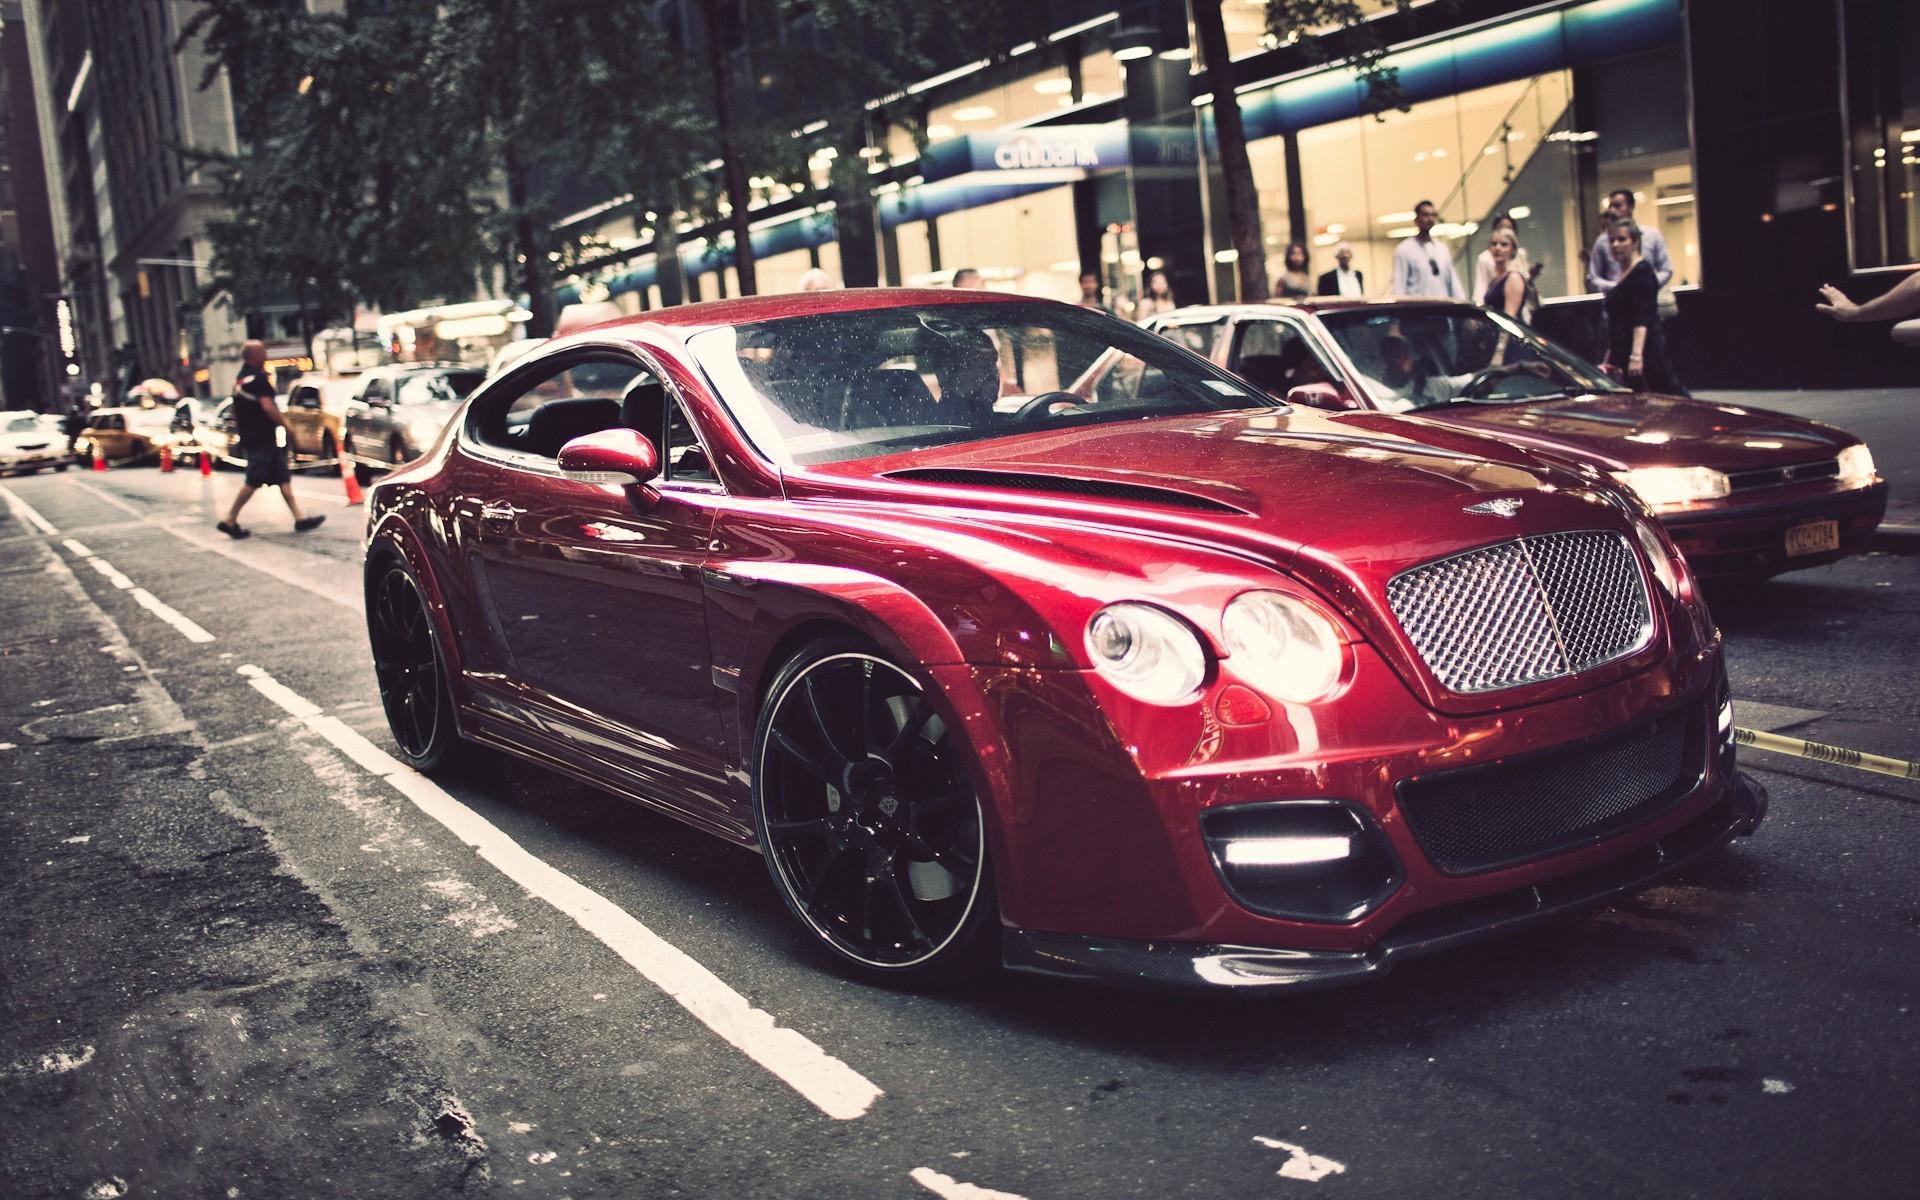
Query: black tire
[411,672]
[879,849]
[329,451]
[362,473]
[60,466]
[397,453]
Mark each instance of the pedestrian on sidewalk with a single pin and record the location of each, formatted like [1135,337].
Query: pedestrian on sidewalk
[256,417]
[1422,265]
[1637,350]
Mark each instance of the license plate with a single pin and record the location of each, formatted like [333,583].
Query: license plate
[1813,537]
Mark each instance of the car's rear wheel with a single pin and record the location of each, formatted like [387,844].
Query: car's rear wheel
[362,473]
[411,672]
[867,817]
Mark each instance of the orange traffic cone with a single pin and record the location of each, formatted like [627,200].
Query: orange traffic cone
[353,484]
[166,459]
[99,459]
[206,465]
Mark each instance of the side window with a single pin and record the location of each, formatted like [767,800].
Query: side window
[539,410]
[686,458]
[1276,357]
[1197,336]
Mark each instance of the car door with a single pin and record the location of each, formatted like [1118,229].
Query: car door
[591,595]
[303,416]
[367,423]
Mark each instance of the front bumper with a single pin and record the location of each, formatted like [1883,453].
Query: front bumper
[1182,966]
[1750,538]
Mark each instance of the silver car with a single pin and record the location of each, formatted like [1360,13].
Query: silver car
[399,411]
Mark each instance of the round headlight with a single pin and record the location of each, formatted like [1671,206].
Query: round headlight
[1149,654]
[1657,558]
[1282,646]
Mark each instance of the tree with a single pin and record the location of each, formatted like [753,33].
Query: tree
[1350,38]
[346,186]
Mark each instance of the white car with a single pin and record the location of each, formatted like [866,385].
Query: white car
[31,440]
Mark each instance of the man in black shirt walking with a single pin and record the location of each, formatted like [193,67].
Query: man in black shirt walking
[255,415]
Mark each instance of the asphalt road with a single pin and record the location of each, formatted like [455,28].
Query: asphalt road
[238,959]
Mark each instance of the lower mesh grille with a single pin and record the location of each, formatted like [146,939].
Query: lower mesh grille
[1507,813]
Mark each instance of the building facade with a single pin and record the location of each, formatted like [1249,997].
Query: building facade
[1773,143]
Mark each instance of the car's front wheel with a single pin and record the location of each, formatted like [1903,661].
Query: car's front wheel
[411,672]
[870,825]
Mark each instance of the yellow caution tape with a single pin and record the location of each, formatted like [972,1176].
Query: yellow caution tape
[1820,752]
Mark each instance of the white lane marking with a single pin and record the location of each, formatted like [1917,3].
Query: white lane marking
[171,615]
[829,1084]
[147,600]
[1302,1165]
[112,572]
[82,840]
[25,512]
[949,1188]
[1775,1087]
[295,704]
[57,1063]
[349,596]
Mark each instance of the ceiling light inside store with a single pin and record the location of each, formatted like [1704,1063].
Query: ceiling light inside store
[1911,135]
[871,152]
[1177,54]
[1336,227]
[1129,53]
[1405,231]
[1439,151]
[1053,87]
[1226,256]
[1393,218]
[1325,239]
[1520,212]
[974,112]
[1682,198]
[935,132]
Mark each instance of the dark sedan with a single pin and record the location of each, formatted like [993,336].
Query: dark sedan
[1744,491]
[1145,677]
[397,412]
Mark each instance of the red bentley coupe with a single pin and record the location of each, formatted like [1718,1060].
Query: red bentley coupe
[1147,677]
[1744,492]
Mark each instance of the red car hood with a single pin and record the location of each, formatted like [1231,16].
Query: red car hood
[1269,482]
[1621,430]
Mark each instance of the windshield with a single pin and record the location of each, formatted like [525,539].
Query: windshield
[837,386]
[1421,358]
[23,425]
[449,386]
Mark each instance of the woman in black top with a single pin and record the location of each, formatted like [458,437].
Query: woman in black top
[1294,282]
[1637,348]
[1507,292]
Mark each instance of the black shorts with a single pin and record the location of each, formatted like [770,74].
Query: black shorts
[267,467]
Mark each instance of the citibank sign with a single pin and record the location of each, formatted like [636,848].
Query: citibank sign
[1045,148]
[1026,154]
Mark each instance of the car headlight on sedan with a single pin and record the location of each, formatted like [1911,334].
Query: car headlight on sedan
[1856,467]
[1663,487]
[1146,652]
[1282,646]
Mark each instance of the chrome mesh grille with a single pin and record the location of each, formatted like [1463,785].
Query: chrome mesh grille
[1532,609]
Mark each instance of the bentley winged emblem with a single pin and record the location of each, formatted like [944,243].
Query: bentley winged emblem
[1505,506]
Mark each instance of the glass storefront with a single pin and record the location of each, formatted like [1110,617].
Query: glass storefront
[1545,148]
[1880,60]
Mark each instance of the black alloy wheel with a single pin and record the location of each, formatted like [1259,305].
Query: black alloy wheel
[407,664]
[869,824]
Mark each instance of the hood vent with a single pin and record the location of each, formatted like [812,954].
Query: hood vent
[1102,489]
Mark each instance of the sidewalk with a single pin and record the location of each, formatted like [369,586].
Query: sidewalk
[1888,419]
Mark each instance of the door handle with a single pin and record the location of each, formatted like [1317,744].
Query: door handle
[499,510]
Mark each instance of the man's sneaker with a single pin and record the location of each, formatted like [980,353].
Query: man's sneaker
[233,531]
[306,523]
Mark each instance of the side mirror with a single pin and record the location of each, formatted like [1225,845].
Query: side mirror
[620,456]
[1322,395]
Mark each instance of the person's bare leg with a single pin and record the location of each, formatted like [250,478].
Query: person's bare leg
[293,506]
[239,502]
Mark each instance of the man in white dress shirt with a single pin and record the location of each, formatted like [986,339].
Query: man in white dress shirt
[1422,265]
